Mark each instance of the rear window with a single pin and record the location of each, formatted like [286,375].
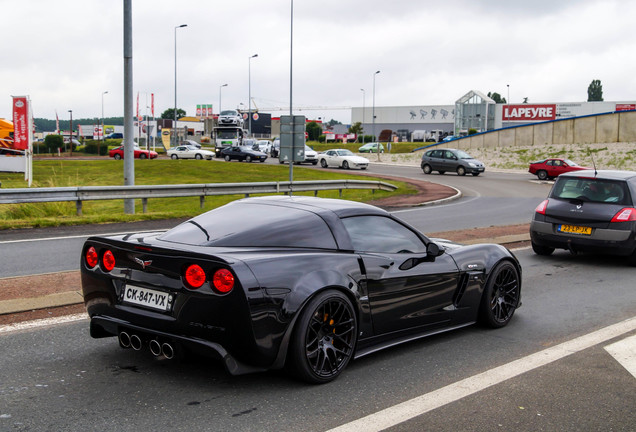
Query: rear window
[591,189]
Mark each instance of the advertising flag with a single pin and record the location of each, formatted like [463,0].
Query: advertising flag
[137,106]
[57,123]
[198,110]
[152,104]
[21,122]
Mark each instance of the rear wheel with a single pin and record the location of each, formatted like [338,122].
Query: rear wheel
[174,156]
[345,164]
[542,250]
[542,174]
[501,295]
[461,171]
[324,338]
[427,169]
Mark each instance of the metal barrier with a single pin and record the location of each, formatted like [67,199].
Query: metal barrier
[89,193]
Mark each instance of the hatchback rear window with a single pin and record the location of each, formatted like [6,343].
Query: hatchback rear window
[591,189]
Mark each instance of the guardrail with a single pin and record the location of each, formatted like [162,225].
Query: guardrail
[89,193]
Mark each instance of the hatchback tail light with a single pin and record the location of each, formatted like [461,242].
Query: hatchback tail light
[627,214]
[223,281]
[541,207]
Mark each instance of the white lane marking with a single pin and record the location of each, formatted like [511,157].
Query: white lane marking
[76,236]
[625,353]
[422,404]
[28,325]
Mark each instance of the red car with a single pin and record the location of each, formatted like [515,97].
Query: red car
[551,168]
[118,153]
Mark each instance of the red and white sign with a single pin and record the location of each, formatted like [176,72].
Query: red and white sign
[21,122]
[525,112]
[625,107]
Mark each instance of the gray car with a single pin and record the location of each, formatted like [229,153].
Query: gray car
[442,160]
[588,211]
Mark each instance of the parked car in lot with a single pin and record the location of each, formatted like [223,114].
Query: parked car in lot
[230,118]
[118,153]
[550,168]
[115,135]
[301,283]
[342,158]
[311,156]
[189,152]
[264,146]
[588,211]
[242,153]
[443,159]
[371,147]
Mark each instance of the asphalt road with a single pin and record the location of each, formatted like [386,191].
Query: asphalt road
[58,378]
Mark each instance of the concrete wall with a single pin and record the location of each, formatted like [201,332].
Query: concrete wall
[603,128]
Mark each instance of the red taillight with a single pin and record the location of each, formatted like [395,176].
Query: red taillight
[541,207]
[91,257]
[625,215]
[108,260]
[223,281]
[195,276]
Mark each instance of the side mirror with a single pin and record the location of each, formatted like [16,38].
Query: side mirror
[433,250]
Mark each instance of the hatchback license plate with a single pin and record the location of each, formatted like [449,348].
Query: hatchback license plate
[146,297]
[573,229]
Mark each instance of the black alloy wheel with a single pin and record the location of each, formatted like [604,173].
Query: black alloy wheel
[345,164]
[501,295]
[427,169]
[542,174]
[461,171]
[323,163]
[542,250]
[324,338]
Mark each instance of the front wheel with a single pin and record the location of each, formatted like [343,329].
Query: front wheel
[324,338]
[427,169]
[542,250]
[501,295]
[323,163]
[461,171]
[345,164]
[198,156]
[248,158]
[117,156]
[142,156]
[227,158]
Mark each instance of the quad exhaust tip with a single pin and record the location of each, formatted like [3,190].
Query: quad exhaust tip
[124,339]
[156,348]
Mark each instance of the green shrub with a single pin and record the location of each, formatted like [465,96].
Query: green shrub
[53,142]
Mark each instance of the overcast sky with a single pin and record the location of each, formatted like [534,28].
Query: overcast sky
[64,54]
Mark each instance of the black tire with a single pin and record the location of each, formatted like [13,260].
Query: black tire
[345,164]
[461,171]
[117,156]
[441,172]
[542,250]
[324,338]
[174,156]
[542,174]
[323,163]
[475,174]
[142,156]
[501,295]
[248,158]
[427,169]
[227,158]
[198,156]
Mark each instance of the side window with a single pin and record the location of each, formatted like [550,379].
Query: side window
[549,163]
[382,234]
[450,155]
[436,154]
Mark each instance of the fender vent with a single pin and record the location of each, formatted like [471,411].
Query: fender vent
[461,289]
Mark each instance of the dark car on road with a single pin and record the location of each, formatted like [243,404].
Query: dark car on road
[588,211]
[550,168]
[242,153]
[443,160]
[298,282]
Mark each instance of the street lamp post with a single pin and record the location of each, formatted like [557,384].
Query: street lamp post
[508,100]
[249,93]
[374,135]
[220,87]
[70,140]
[174,127]
[103,93]
[363,110]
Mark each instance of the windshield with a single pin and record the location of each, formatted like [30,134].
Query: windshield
[229,113]
[591,189]
[344,153]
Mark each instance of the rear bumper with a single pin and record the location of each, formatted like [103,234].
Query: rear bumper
[607,241]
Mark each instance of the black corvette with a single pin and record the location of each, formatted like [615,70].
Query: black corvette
[296,282]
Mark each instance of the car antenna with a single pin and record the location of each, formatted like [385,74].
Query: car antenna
[593,163]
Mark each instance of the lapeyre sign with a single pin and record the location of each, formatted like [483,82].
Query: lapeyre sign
[527,112]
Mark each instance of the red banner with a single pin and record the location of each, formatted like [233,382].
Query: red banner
[625,107]
[525,112]
[152,104]
[21,122]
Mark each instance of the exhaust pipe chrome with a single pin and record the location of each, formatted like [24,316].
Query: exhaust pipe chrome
[155,347]
[167,350]
[124,339]
[135,342]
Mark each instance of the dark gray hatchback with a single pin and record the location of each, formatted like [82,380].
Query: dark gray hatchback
[442,160]
[588,211]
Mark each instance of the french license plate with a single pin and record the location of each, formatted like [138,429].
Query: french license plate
[573,229]
[146,297]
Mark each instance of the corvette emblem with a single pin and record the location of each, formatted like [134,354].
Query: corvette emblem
[143,263]
[578,206]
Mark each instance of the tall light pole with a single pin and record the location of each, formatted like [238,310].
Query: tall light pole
[363,111]
[249,93]
[174,127]
[70,140]
[374,135]
[103,93]
[220,87]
